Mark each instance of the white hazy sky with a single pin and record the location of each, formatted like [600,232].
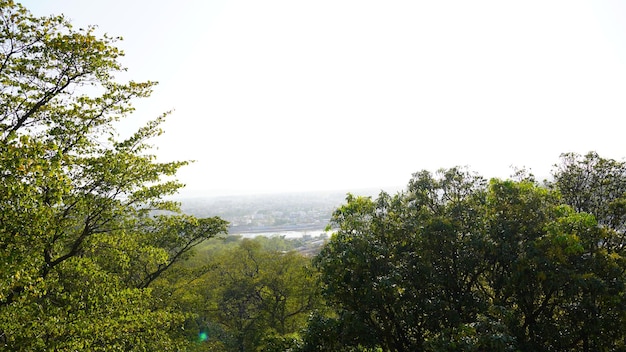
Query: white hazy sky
[298,95]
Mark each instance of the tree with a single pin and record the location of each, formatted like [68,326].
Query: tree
[79,245]
[458,264]
[405,266]
[597,186]
[250,298]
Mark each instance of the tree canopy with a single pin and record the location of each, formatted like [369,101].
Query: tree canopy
[459,263]
[80,243]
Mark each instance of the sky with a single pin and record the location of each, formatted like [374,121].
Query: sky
[295,95]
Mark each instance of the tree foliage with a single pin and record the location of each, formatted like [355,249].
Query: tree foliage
[456,263]
[79,245]
[249,298]
[596,186]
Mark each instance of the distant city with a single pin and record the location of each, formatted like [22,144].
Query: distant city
[290,214]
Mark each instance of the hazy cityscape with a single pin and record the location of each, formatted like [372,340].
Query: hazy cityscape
[289,214]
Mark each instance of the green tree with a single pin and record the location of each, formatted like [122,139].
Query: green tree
[597,186]
[405,266]
[524,284]
[251,298]
[458,264]
[79,247]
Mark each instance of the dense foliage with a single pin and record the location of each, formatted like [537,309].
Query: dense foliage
[250,296]
[457,263]
[79,248]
